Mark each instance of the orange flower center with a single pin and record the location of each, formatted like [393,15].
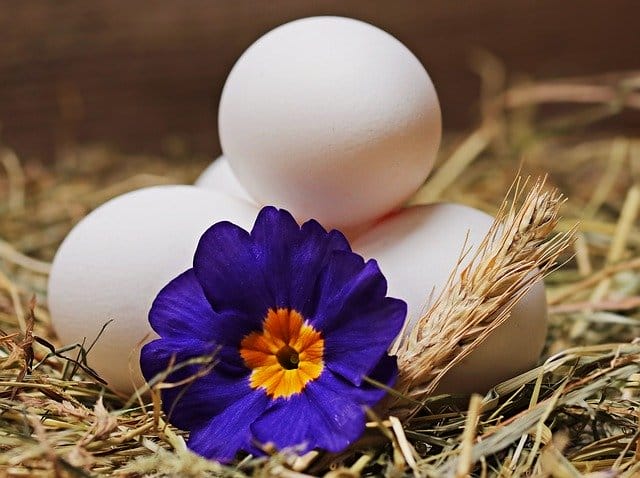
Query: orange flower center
[285,355]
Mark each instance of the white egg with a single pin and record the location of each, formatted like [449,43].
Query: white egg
[219,176]
[417,249]
[115,261]
[330,118]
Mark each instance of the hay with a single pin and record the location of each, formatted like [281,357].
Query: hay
[577,414]
[516,253]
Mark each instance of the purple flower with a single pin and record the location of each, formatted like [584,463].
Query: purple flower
[295,321]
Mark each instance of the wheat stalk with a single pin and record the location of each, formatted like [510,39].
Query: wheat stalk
[516,252]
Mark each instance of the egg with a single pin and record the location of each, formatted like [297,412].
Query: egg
[417,250]
[330,118]
[115,261]
[218,176]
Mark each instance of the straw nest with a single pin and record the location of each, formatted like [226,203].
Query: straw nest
[576,414]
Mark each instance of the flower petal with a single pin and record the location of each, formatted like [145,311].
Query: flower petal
[328,414]
[353,347]
[182,310]
[229,270]
[197,403]
[294,256]
[158,355]
[357,321]
[225,434]
[200,399]
[346,277]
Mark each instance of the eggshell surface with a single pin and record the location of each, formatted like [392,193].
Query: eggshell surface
[330,118]
[219,177]
[417,250]
[115,261]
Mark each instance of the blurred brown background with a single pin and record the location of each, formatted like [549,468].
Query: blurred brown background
[137,74]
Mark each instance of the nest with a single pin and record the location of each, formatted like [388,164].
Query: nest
[577,413]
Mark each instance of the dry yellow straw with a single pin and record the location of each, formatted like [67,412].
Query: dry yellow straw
[516,252]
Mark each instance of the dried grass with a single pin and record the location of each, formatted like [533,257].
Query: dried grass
[577,414]
[515,254]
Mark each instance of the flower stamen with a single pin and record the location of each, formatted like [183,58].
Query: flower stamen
[288,357]
[285,356]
